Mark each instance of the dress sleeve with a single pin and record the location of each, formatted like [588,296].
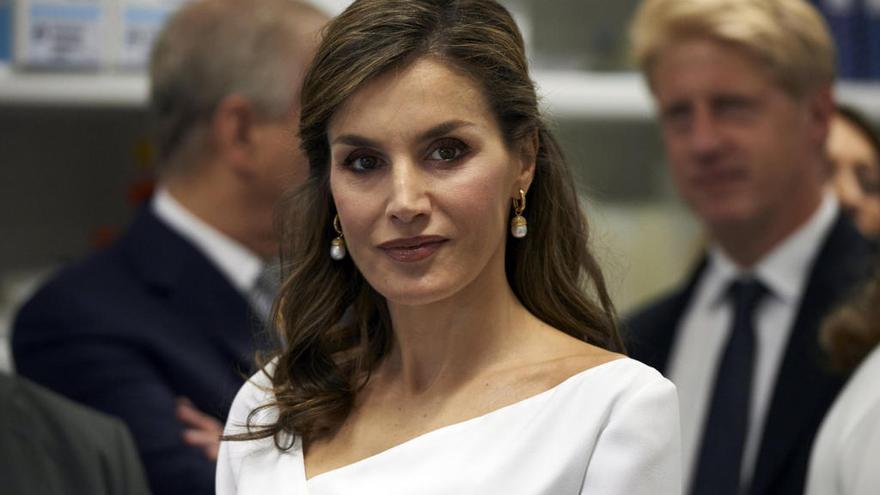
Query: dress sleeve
[227,473]
[255,392]
[859,453]
[639,450]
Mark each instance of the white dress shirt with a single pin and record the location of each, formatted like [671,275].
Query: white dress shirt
[240,266]
[705,327]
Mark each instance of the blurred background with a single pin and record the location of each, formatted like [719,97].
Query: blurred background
[76,159]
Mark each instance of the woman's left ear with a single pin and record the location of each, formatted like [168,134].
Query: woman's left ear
[528,151]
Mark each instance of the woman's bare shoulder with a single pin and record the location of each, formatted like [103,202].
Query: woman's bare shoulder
[585,359]
[560,356]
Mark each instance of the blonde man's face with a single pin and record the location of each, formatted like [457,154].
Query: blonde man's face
[738,146]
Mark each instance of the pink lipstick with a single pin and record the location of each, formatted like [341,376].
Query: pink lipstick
[412,249]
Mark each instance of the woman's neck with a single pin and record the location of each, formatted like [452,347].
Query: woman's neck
[443,344]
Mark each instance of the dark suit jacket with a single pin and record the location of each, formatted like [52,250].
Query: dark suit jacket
[132,328]
[805,387]
[52,446]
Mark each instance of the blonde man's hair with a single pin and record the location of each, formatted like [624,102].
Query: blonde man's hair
[789,36]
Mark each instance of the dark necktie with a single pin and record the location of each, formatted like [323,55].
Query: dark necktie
[719,464]
[262,294]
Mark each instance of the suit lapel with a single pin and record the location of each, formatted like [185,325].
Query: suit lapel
[195,289]
[804,387]
[209,302]
[651,334]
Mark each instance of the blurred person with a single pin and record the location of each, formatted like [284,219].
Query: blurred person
[161,328]
[844,456]
[51,445]
[853,150]
[439,334]
[743,93]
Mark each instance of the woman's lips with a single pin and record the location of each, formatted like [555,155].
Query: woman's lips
[412,249]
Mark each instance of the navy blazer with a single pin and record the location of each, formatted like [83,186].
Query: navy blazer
[805,386]
[132,328]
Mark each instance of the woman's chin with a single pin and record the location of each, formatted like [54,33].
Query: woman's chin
[416,294]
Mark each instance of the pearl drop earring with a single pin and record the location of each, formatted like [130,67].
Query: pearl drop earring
[518,225]
[337,245]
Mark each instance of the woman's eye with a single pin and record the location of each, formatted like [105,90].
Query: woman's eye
[362,163]
[444,153]
[447,151]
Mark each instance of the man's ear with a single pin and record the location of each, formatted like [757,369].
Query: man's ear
[821,107]
[232,129]
[528,156]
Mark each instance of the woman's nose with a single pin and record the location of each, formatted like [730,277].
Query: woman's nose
[408,193]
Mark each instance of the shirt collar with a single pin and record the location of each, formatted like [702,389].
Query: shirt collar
[240,266]
[784,269]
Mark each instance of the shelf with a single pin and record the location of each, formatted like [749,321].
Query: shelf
[73,90]
[564,94]
[624,95]
[586,95]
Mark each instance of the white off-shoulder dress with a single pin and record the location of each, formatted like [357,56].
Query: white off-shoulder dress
[845,453]
[609,430]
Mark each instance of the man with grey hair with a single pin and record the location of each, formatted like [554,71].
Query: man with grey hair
[744,96]
[161,328]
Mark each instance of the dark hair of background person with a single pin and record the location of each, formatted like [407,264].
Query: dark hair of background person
[336,327]
[864,127]
[851,332]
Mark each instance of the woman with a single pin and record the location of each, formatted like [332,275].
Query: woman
[854,152]
[844,457]
[442,346]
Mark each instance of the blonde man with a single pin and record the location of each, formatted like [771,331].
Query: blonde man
[744,97]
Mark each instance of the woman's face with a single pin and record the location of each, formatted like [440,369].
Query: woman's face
[856,174]
[423,182]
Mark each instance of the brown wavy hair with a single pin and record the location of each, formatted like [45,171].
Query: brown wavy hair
[851,332]
[336,327]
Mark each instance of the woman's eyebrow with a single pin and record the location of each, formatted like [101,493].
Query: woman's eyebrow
[443,129]
[430,134]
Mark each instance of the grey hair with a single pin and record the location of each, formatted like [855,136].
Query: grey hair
[212,49]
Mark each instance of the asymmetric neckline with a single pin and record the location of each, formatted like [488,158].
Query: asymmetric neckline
[610,429]
[298,447]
